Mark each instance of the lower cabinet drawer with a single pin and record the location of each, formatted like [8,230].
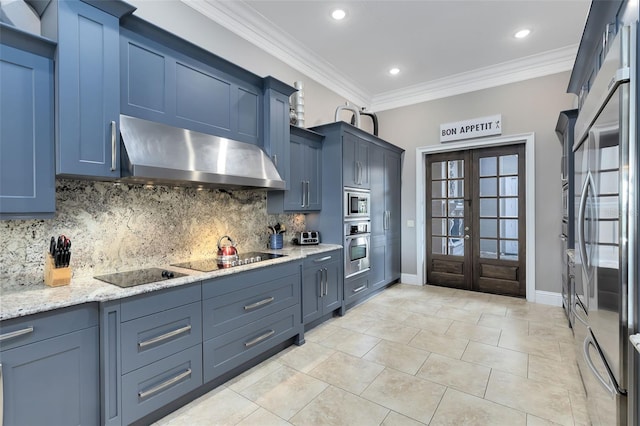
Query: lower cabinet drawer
[227,312]
[153,337]
[356,287]
[151,387]
[236,347]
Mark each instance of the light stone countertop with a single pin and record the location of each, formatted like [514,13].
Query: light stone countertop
[87,289]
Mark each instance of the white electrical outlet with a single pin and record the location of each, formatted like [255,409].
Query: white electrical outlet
[411,223]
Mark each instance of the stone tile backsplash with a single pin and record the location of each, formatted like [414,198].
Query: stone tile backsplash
[118,227]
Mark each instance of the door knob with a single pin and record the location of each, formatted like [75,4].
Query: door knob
[466,237]
[466,228]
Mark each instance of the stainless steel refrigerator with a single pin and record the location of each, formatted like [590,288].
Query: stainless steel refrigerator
[606,169]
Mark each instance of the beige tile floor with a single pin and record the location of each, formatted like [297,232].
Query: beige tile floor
[412,356]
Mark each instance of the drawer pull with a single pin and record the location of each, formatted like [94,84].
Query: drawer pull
[113,146]
[362,287]
[259,339]
[17,333]
[258,304]
[162,386]
[164,336]
[322,259]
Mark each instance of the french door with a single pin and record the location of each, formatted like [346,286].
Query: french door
[475,212]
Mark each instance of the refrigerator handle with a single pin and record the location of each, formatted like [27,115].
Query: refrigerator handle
[575,312]
[581,242]
[609,384]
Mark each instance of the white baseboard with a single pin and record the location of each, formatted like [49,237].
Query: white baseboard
[548,298]
[409,279]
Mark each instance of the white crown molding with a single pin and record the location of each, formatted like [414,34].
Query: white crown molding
[551,62]
[244,21]
[247,23]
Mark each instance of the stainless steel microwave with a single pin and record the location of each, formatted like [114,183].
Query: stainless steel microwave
[357,203]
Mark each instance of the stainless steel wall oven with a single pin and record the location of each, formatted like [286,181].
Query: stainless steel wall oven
[357,243]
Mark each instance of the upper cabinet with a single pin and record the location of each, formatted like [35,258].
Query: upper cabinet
[355,160]
[165,80]
[276,124]
[27,179]
[305,175]
[87,86]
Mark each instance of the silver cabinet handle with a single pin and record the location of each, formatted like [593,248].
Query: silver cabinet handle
[275,160]
[162,386]
[359,173]
[326,281]
[320,285]
[362,287]
[259,339]
[355,172]
[7,336]
[322,259]
[258,304]
[303,192]
[164,336]
[1,397]
[308,193]
[610,385]
[113,146]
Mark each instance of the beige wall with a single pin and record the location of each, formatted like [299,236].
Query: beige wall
[529,106]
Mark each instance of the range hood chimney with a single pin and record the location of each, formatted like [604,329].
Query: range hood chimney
[155,153]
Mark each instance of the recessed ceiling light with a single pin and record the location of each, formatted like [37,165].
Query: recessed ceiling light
[522,33]
[394,71]
[338,14]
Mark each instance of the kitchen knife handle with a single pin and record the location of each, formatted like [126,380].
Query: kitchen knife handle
[113,146]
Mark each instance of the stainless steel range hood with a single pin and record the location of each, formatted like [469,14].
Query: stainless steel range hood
[154,153]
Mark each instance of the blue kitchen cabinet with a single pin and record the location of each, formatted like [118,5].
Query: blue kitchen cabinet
[386,169]
[49,368]
[247,314]
[168,80]
[87,87]
[305,175]
[355,160]
[27,177]
[276,124]
[322,285]
[151,352]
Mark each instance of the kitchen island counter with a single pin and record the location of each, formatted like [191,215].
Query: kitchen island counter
[87,289]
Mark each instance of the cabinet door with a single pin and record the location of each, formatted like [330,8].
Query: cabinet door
[277,135]
[313,168]
[378,196]
[392,199]
[393,260]
[53,382]
[311,294]
[378,261]
[363,156]
[88,87]
[295,197]
[350,172]
[27,178]
[332,298]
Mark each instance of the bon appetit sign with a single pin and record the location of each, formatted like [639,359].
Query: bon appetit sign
[474,128]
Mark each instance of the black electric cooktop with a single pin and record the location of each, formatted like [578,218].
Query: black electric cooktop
[208,265]
[139,277]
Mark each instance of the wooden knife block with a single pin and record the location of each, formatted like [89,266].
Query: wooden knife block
[55,277]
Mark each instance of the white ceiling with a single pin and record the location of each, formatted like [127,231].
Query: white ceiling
[442,48]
